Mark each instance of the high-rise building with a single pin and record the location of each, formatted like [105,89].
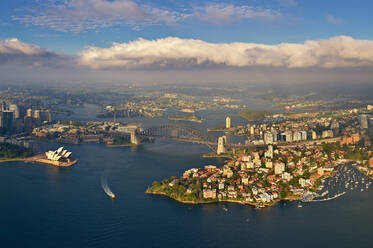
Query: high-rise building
[228,122]
[29,112]
[45,116]
[252,130]
[28,124]
[14,108]
[363,121]
[7,121]
[4,106]
[37,114]
[274,135]
[313,135]
[268,138]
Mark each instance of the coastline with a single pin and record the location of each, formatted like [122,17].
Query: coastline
[13,160]
[215,201]
[40,158]
[214,155]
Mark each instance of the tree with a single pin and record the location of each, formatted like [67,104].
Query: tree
[283,194]
[156,184]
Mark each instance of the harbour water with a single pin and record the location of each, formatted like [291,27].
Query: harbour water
[45,206]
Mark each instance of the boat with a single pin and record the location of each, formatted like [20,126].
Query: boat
[299,206]
[225,209]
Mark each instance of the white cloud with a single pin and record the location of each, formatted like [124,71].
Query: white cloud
[79,15]
[333,20]
[341,51]
[15,51]
[229,13]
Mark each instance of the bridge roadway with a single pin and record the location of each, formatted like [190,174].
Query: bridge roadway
[186,134]
[200,141]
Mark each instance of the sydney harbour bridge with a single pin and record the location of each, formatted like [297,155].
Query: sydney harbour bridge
[182,133]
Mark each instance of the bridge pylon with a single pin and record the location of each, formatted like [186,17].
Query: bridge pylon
[134,138]
[221,145]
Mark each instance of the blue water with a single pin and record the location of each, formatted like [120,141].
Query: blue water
[45,206]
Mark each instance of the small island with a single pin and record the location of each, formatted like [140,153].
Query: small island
[192,118]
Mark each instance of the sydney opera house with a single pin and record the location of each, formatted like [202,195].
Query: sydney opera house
[58,154]
[59,157]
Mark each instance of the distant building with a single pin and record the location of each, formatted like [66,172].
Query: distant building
[45,116]
[313,135]
[228,122]
[6,121]
[363,121]
[252,130]
[268,138]
[37,114]
[327,134]
[14,108]
[4,106]
[29,112]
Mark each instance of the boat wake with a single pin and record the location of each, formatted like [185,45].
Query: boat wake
[105,187]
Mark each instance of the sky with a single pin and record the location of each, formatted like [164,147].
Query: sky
[309,41]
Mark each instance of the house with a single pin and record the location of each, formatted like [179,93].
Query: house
[209,193]
[245,181]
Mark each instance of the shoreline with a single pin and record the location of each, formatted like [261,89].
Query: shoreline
[211,155]
[40,158]
[13,160]
[214,201]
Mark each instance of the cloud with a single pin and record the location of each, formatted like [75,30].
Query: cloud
[228,13]
[79,15]
[171,52]
[17,52]
[333,20]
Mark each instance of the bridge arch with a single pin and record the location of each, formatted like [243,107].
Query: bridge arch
[178,132]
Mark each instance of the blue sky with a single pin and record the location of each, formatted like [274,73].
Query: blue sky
[296,21]
[252,40]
